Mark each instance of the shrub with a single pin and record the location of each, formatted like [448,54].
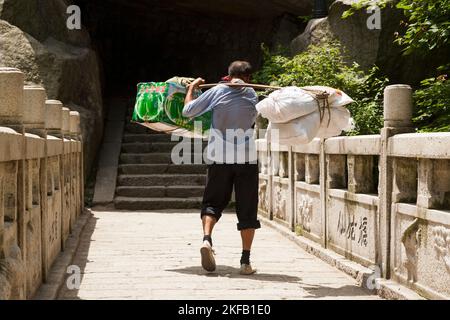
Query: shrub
[432,105]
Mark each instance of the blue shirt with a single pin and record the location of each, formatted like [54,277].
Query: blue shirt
[233,118]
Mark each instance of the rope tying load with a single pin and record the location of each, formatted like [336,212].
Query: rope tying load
[321,97]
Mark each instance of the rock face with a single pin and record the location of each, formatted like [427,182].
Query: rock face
[34,38]
[43,19]
[368,47]
[316,32]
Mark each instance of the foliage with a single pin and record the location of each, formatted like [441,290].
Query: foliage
[324,65]
[432,105]
[427,26]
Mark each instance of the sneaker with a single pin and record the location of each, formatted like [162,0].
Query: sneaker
[247,269]
[207,253]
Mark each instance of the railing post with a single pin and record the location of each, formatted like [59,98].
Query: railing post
[323,191]
[53,117]
[11,98]
[65,176]
[11,115]
[34,110]
[75,131]
[34,123]
[397,119]
[52,218]
[291,188]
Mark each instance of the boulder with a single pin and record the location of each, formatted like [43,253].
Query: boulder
[361,43]
[67,72]
[316,32]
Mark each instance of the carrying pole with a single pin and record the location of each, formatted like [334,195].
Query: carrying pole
[240,85]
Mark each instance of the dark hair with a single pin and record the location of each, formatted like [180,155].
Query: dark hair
[240,68]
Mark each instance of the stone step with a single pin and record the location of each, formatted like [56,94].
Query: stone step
[145,158]
[152,158]
[162,168]
[137,128]
[130,203]
[162,180]
[146,147]
[139,137]
[161,191]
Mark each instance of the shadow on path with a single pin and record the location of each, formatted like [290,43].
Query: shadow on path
[80,259]
[312,291]
[233,273]
[321,291]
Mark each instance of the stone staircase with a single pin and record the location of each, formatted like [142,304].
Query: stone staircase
[147,178]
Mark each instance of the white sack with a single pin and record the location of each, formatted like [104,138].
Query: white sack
[340,121]
[304,129]
[337,97]
[298,131]
[286,104]
[295,118]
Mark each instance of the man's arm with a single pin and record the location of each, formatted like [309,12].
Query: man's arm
[196,107]
[191,89]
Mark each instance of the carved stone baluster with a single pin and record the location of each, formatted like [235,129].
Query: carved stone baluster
[360,174]
[405,180]
[312,169]
[434,184]
[336,171]
[299,167]
[284,170]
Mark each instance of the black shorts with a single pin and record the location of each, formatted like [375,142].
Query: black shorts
[219,188]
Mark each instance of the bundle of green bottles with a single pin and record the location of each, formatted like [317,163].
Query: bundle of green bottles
[163,102]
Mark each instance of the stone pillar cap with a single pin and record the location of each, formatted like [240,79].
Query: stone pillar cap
[398,106]
[34,98]
[53,115]
[399,86]
[75,122]
[11,96]
[65,120]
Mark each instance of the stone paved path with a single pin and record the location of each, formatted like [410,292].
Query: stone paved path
[146,255]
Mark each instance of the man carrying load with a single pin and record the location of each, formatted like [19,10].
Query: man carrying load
[232,152]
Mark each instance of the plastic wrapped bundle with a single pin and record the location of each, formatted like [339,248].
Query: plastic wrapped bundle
[298,115]
[159,106]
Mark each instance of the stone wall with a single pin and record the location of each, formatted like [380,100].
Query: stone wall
[379,200]
[41,183]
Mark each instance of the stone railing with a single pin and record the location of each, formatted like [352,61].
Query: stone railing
[41,183]
[379,200]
